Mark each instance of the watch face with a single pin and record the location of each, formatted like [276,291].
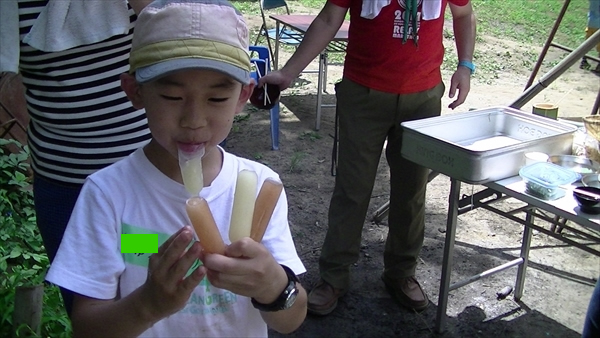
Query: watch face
[291,299]
[286,299]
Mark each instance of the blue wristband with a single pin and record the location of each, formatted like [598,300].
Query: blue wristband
[467,64]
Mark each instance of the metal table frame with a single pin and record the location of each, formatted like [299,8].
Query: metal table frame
[512,187]
[301,23]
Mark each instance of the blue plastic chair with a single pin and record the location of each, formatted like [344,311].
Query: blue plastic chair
[263,65]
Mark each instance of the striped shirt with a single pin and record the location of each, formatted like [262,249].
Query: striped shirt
[80,118]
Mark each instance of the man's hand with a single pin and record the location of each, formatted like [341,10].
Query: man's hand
[461,81]
[278,77]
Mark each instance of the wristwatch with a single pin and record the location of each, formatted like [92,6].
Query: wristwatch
[467,64]
[286,299]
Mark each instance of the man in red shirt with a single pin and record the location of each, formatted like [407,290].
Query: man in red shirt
[391,75]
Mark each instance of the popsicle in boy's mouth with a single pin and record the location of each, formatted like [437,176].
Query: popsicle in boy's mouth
[190,163]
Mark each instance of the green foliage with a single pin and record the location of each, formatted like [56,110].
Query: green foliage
[20,255]
[23,260]
[295,161]
[241,117]
[311,136]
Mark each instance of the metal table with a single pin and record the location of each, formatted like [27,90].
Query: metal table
[513,187]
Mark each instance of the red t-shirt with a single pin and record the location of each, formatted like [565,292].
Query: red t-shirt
[377,58]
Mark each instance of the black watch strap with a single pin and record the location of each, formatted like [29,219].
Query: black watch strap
[287,297]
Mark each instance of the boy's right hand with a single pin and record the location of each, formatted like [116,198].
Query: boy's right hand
[167,290]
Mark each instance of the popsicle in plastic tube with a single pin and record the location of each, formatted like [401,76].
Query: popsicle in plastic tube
[204,225]
[190,164]
[243,205]
[266,201]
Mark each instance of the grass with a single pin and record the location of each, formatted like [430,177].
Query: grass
[310,135]
[526,21]
[295,161]
[532,20]
[519,20]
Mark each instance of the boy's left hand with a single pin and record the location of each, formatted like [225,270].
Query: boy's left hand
[247,269]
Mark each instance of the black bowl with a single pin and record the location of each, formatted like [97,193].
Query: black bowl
[258,96]
[586,203]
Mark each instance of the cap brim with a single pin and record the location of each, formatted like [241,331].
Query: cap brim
[149,73]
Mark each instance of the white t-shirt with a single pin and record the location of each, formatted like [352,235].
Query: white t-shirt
[133,197]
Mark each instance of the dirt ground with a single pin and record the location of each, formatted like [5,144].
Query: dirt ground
[560,278]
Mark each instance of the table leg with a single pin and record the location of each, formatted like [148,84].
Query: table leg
[525,245]
[276,58]
[325,56]
[320,89]
[453,198]
[596,107]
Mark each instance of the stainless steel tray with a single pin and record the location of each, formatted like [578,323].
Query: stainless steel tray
[579,164]
[483,145]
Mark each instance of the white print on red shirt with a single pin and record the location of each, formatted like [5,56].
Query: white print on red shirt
[398,31]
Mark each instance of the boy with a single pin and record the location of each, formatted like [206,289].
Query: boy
[190,71]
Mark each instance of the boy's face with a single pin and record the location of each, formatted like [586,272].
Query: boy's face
[188,108]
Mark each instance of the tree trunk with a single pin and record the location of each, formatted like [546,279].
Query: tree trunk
[28,310]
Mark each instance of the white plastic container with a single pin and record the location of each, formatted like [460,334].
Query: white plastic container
[535,156]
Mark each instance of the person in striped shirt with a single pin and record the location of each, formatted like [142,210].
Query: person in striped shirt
[70,55]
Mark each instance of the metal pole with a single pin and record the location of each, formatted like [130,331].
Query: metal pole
[440,321]
[596,108]
[320,85]
[525,246]
[567,49]
[486,273]
[548,43]
[558,70]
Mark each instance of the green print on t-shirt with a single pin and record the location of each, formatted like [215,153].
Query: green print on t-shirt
[210,303]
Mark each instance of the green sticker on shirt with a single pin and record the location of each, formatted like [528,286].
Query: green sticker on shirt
[141,259]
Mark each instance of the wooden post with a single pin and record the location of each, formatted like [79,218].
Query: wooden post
[28,310]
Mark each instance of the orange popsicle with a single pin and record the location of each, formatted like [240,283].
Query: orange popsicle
[263,208]
[204,225]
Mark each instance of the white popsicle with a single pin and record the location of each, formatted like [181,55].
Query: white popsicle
[243,205]
[191,170]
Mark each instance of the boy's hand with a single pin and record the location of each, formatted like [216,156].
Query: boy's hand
[167,290]
[247,269]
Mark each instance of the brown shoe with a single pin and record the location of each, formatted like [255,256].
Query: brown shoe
[323,298]
[407,292]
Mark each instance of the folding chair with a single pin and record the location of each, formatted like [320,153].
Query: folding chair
[291,37]
[263,66]
[285,36]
